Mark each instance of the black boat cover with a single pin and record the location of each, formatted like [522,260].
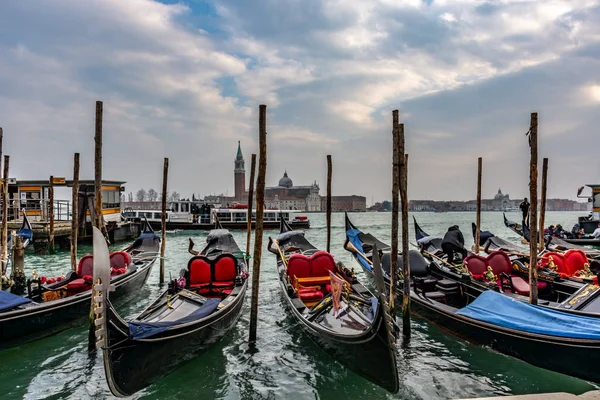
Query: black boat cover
[141,330]
[9,300]
[500,310]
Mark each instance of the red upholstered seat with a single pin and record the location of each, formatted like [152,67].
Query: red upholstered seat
[575,260]
[322,262]
[200,271]
[225,268]
[499,262]
[476,265]
[559,261]
[85,266]
[319,264]
[120,259]
[521,285]
[298,266]
[77,286]
[310,294]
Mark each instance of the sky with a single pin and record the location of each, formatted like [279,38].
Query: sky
[184,79]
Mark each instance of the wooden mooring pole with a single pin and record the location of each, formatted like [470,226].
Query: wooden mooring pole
[5,213]
[51,215]
[478,216]
[260,207]
[18,267]
[533,223]
[395,211]
[1,194]
[328,209]
[75,212]
[163,221]
[97,217]
[543,202]
[250,200]
[406,259]
[98,167]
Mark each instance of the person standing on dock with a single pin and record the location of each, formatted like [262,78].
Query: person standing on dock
[454,242]
[524,206]
[596,234]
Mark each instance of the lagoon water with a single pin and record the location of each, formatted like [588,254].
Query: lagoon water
[284,364]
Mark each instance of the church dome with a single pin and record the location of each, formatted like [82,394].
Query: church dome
[285,181]
[499,195]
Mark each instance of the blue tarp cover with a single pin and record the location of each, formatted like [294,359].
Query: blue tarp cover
[498,309]
[9,300]
[353,238]
[142,330]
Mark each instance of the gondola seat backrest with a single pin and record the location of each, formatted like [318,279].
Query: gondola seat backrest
[224,269]
[298,266]
[418,264]
[575,260]
[497,260]
[317,265]
[558,260]
[85,266]
[119,261]
[199,268]
[322,262]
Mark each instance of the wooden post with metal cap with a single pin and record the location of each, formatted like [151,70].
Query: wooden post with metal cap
[163,221]
[75,212]
[478,216]
[260,207]
[5,214]
[51,215]
[543,202]
[406,256]
[328,209]
[533,223]
[395,211]
[250,200]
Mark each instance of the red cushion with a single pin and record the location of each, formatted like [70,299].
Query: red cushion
[499,262]
[199,285]
[120,259]
[575,260]
[321,263]
[476,264]
[199,268]
[77,286]
[559,261]
[298,266]
[222,284]
[521,286]
[311,295]
[225,268]
[86,265]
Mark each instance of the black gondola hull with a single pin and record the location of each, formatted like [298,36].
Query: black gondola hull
[568,356]
[22,326]
[132,365]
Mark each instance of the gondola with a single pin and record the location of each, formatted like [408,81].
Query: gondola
[53,305]
[546,338]
[554,241]
[359,333]
[192,314]
[510,277]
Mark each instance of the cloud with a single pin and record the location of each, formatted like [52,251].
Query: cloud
[184,81]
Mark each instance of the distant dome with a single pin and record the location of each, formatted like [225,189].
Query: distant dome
[499,195]
[285,181]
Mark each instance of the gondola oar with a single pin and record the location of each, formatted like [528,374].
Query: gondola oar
[380,285]
[276,243]
[354,249]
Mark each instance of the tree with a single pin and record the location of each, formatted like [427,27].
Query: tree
[152,195]
[140,195]
[174,196]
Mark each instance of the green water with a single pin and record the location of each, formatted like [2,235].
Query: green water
[284,364]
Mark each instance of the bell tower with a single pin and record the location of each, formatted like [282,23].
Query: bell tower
[239,174]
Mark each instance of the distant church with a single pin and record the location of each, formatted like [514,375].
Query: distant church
[284,196]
